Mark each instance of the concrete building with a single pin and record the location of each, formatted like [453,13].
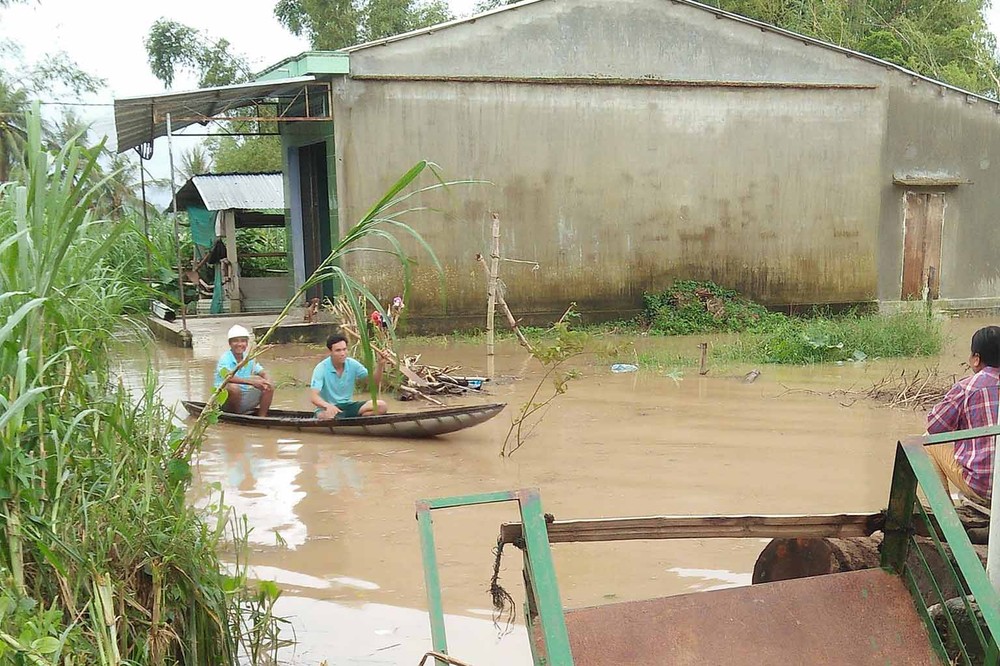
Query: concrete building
[631,143]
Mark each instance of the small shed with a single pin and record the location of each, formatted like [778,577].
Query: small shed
[219,206]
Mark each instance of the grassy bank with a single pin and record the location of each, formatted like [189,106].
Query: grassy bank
[762,336]
[101,559]
[792,340]
[753,334]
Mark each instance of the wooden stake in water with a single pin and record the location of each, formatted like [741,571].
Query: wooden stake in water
[177,234]
[703,365]
[491,290]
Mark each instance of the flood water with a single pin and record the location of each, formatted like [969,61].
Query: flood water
[333,517]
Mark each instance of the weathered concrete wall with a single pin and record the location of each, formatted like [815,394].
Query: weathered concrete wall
[944,133]
[680,169]
[623,38]
[617,189]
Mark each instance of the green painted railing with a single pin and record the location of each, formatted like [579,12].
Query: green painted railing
[967,637]
[543,587]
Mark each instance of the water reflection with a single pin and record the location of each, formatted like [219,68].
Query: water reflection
[259,479]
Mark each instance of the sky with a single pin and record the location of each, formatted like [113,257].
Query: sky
[105,39]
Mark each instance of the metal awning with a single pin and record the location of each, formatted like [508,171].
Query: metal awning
[224,191]
[139,120]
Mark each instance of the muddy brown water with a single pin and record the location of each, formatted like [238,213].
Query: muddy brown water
[332,518]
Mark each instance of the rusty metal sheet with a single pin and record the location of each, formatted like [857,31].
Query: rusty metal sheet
[859,617]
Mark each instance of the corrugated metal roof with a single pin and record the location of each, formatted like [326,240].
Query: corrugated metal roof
[253,191]
[142,119]
[719,13]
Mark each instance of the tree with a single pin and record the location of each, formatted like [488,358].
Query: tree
[173,47]
[194,161]
[946,40]
[115,177]
[487,5]
[20,82]
[336,24]
[245,154]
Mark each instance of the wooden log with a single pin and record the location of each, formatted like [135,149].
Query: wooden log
[414,393]
[786,559]
[702,527]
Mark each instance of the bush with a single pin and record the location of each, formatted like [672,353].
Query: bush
[689,306]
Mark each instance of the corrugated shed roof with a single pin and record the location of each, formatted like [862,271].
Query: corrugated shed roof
[249,191]
[142,119]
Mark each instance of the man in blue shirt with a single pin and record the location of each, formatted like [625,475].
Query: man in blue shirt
[247,389]
[333,382]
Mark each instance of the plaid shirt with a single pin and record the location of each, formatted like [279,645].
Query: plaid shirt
[971,403]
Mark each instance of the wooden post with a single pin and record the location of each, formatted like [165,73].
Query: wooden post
[229,231]
[506,308]
[491,290]
[703,365]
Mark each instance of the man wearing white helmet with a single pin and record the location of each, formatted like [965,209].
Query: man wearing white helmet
[248,389]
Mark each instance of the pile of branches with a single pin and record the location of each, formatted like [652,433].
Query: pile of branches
[917,389]
[427,380]
[920,389]
[419,380]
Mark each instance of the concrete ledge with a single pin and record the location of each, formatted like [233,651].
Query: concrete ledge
[170,332]
[956,307]
[315,333]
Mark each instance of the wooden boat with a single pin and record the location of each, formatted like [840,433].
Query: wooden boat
[427,423]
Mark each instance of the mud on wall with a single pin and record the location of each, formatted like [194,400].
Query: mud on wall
[614,190]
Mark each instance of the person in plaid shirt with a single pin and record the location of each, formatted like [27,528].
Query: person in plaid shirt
[971,403]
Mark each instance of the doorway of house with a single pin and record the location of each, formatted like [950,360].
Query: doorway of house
[315,198]
[923,222]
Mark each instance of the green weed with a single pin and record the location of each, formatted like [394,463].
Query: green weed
[791,340]
[688,307]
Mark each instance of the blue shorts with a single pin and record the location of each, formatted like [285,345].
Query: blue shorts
[249,401]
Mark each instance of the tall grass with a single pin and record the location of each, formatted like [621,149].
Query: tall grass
[794,340]
[101,560]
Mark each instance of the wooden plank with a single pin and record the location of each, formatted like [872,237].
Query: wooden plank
[932,243]
[840,525]
[914,231]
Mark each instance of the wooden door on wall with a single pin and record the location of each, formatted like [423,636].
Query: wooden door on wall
[315,200]
[923,221]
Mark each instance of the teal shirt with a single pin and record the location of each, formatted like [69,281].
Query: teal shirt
[228,363]
[334,388]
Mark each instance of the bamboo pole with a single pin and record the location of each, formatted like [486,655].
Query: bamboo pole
[506,308]
[491,303]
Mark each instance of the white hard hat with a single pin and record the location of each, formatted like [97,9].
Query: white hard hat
[238,331]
